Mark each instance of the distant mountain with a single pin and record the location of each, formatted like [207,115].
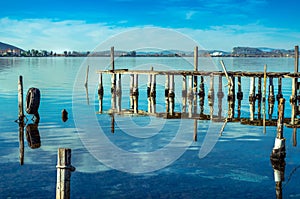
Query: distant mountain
[4,46]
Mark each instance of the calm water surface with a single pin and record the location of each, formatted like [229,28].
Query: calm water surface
[237,167]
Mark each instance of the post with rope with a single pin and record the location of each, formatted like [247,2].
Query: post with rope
[64,169]
[278,153]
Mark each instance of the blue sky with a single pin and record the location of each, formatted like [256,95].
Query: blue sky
[214,24]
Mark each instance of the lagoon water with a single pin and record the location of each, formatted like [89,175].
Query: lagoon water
[238,166]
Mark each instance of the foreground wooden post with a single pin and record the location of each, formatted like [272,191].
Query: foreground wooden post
[64,169]
[135,93]
[167,84]
[271,98]
[231,98]
[153,93]
[131,91]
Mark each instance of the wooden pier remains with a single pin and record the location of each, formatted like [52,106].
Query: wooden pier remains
[193,93]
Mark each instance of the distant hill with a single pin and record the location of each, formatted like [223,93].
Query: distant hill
[4,46]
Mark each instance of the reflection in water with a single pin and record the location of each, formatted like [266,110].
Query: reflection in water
[32,136]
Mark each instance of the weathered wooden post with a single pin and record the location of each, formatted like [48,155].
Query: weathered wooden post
[113,80]
[201,95]
[100,93]
[271,98]
[64,169]
[220,95]
[293,99]
[148,90]
[21,119]
[231,97]
[239,96]
[279,94]
[87,76]
[20,100]
[278,153]
[258,98]
[195,78]
[172,95]
[211,96]
[252,98]
[153,93]
[184,94]
[167,94]
[135,94]
[119,93]
[131,91]
[190,97]
[264,98]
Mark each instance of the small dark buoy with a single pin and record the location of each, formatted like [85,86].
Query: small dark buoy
[64,115]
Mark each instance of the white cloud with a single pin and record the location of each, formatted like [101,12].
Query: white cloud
[78,35]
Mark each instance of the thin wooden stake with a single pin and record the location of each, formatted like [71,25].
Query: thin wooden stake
[20,100]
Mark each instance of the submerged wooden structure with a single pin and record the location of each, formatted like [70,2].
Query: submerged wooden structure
[193,93]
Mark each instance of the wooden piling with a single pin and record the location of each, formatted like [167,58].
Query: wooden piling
[148,91]
[20,100]
[258,98]
[172,95]
[184,94]
[220,96]
[100,93]
[264,99]
[201,95]
[64,169]
[293,99]
[252,98]
[167,84]
[131,91]
[211,96]
[190,97]
[231,98]
[135,94]
[279,93]
[153,93]
[112,57]
[119,93]
[271,98]
[195,79]
[239,96]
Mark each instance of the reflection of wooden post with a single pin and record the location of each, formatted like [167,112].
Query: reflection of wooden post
[271,98]
[148,91]
[184,93]
[293,98]
[211,96]
[100,93]
[135,94]
[295,137]
[21,143]
[190,96]
[264,98]
[131,91]
[64,169]
[239,96]
[220,95]
[112,123]
[167,94]
[201,95]
[195,137]
[172,94]
[20,100]
[252,98]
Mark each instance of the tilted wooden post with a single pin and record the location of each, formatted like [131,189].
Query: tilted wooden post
[293,99]
[64,169]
